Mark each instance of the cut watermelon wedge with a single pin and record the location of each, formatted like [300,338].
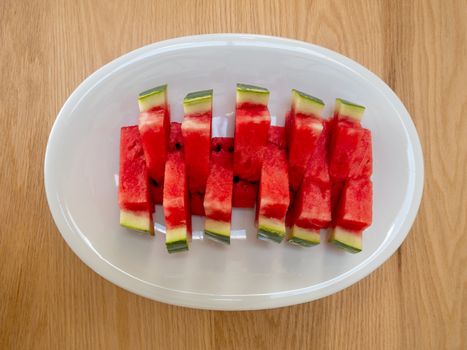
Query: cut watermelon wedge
[312,211]
[312,206]
[252,122]
[355,206]
[218,198]
[176,198]
[154,126]
[305,126]
[135,203]
[350,169]
[273,198]
[196,128]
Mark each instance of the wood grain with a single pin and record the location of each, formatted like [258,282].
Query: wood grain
[49,299]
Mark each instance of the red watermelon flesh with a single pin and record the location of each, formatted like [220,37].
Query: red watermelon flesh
[222,149]
[344,143]
[218,197]
[273,197]
[290,217]
[355,206]
[196,203]
[244,193]
[176,205]
[277,136]
[336,189]
[305,131]
[274,193]
[157,191]
[153,127]
[313,205]
[288,122]
[362,162]
[251,136]
[133,193]
[346,121]
[318,168]
[176,137]
[176,199]
[197,139]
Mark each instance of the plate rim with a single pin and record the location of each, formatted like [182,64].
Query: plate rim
[77,241]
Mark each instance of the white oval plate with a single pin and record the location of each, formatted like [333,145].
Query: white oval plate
[81,171]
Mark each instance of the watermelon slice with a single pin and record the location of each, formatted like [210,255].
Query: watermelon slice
[154,127]
[252,122]
[218,198]
[312,206]
[273,198]
[176,198]
[196,128]
[350,168]
[353,214]
[355,206]
[304,126]
[134,197]
[312,212]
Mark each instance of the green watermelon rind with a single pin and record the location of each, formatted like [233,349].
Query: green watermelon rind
[349,109]
[217,237]
[198,96]
[138,221]
[309,98]
[152,98]
[270,235]
[152,91]
[302,242]
[304,237]
[303,103]
[252,94]
[270,228]
[176,239]
[347,240]
[252,88]
[350,104]
[177,246]
[344,246]
[198,102]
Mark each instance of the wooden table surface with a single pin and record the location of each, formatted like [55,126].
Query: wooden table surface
[50,299]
